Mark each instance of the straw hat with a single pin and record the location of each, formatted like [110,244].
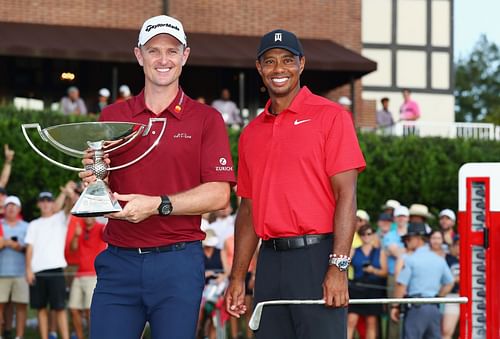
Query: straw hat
[420,210]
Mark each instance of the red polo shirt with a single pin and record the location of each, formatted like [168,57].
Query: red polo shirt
[70,255]
[193,150]
[90,244]
[286,161]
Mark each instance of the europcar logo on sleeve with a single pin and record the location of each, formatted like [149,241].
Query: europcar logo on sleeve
[223,167]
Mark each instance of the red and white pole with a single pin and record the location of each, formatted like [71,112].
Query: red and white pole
[479,229]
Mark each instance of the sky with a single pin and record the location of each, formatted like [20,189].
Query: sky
[472,18]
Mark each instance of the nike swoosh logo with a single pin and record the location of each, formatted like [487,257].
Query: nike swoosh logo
[298,122]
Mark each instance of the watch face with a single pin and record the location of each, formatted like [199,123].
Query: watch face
[343,264]
[165,209]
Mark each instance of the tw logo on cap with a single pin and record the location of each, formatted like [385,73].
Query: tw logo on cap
[278,37]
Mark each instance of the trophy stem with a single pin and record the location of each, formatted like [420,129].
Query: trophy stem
[96,200]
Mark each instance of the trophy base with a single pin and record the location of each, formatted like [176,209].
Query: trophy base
[95,201]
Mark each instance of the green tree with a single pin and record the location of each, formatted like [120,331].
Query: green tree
[477,84]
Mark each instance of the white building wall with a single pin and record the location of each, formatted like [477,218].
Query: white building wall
[440,14]
[382,76]
[377,21]
[411,69]
[411,22]
[433,107]
[411,42]
[440,70]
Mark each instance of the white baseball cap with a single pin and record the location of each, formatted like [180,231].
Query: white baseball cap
[391,203]
[104,92]
[12,199]
[211,239]
[363,215]
[448,213]
[125,90]
[345,101]
[161,24]
[401,211]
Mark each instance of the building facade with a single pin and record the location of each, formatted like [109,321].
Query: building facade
[94,41]
[410,40]
[412,43]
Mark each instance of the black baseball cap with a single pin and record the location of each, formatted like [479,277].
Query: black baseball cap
[45,195]
[416,228]
[385,217]
[279,38]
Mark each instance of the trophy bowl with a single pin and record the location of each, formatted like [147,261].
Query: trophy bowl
[102,138]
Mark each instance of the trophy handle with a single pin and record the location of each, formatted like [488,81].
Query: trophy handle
[135,135]
[40,153]
[148,128]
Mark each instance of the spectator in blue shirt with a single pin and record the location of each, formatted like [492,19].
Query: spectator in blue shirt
[13,285]
[425,274]
[394,248]
[392,242]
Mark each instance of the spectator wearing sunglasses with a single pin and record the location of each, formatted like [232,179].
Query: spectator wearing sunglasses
[370,272]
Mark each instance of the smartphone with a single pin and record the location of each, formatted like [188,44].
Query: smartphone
[14,238]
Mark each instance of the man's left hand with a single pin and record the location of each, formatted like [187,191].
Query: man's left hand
[335,291]
[138,207]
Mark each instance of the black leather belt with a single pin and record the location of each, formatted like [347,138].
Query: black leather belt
[284,244]
[178,246]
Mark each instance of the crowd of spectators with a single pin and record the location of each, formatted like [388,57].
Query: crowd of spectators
[34,264]
[383,262]
[41,261]
[73,104]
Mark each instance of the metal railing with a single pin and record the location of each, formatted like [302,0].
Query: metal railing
[483,131]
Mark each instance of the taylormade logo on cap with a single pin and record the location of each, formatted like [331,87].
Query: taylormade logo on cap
[161,24]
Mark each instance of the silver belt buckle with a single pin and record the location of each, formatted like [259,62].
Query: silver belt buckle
[141,251]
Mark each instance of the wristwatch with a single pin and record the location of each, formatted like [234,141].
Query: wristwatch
[341,261]
[165,207]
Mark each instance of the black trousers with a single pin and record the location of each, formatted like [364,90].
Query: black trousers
[296,274]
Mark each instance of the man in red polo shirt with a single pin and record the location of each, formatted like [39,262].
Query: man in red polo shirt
[298,167]
[153,268]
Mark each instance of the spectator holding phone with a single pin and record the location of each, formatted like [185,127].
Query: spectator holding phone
[13,286]
[370,272]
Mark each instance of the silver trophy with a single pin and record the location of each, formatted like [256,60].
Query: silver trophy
[102,138]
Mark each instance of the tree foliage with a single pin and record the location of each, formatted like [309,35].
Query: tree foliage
[417,170]
[411,169]
[477,84]
[30,173]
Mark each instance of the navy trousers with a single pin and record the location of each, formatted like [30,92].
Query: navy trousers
[163,288]
[296,274]
[422,322]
